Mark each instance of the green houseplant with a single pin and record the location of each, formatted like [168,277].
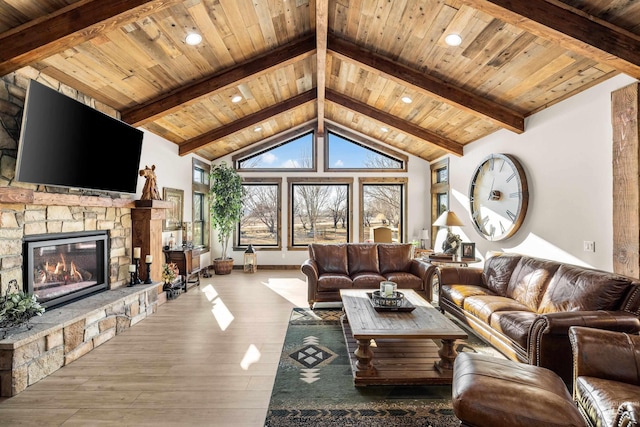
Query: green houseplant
[225,195]
[17,308]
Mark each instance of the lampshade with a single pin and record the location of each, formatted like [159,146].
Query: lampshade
[425,234]
[448,219]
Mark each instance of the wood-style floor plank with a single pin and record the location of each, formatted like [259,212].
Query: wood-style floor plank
[207,358]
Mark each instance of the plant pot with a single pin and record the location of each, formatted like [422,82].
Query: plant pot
[223,266]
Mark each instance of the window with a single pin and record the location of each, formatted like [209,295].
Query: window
[439,192]
[346,151]
[260,222]
[291,151]
[382,203]
[200,187]
[319,212]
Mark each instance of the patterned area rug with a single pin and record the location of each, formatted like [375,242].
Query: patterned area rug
[314,383]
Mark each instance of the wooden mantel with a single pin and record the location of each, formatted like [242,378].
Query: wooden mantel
[12,195]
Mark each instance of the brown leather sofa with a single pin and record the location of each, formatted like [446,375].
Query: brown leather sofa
[331,267]
[606,374]
[524,306]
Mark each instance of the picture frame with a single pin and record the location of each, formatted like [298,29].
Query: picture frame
[468,250]
[173,216]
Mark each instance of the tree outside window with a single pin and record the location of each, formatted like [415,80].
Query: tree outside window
[260,222]
[320,213]
[382,204]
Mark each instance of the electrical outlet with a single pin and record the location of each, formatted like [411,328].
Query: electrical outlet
[589,246]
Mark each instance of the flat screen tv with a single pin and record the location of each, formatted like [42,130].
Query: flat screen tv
[66,143]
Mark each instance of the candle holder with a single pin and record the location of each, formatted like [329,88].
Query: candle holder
[148,281]
[136,280]
[133,278]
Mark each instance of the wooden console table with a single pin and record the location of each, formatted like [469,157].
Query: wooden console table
[188,262]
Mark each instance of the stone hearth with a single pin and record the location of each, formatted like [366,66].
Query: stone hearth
[62,335]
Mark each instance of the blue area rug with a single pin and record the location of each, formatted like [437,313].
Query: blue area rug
[314,384]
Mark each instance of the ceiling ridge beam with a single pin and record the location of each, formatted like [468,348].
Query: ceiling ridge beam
[443,91]
[322,29]
[68,27]
[174,100]
[570,28]
[404,126]
[252,119]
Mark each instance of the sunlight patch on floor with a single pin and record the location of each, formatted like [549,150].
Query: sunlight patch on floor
[220,311]
[250,357]
[289,289]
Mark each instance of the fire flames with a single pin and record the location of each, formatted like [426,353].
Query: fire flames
[58,272]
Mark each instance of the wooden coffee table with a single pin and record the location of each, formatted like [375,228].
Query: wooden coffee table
[402,342]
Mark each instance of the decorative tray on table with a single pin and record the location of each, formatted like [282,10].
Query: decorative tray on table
[397,302]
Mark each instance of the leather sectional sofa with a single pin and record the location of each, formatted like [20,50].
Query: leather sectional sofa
[524,306]
[331,267]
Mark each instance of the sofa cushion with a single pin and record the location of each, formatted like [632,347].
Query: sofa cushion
[577,288]
[334,281]
[394,257]
[330,258]
[530,279]
[514,324]
[367,280]
[362,257]
[408,280]
[483,306]
[497,272]
[600,398]
[457,293]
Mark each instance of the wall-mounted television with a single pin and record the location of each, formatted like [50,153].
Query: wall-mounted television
[66,143]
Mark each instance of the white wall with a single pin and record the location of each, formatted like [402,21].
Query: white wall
[566,151]
[172,171]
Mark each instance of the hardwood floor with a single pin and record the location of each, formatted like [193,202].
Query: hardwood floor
[207,358]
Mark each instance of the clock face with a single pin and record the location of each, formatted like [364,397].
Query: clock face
[498,196]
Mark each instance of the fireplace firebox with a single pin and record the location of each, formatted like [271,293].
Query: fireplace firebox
[63,267]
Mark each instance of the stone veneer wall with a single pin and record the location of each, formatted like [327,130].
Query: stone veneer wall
[19,220]
[62,334]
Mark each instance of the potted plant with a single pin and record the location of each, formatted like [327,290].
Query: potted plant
[17,308]
[225,196]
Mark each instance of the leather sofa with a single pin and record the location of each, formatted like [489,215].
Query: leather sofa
[331,267]
[606,383]
[524,306]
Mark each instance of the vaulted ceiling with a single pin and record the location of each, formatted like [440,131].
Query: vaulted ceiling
[329,62]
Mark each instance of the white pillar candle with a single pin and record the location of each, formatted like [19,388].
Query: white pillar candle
[136,253]
[132,268]
[148,259]
[388,290]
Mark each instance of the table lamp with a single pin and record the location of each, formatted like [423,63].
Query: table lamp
[449,219]
[424,238]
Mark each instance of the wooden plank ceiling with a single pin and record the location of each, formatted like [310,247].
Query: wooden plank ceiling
[340,62]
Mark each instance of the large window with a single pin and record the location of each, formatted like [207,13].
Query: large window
[319,211]
[260,222]
[383,203]
[200,186]
[293,151]
[439,192]
[346,151]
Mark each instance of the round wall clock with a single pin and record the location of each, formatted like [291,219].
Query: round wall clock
[498,196]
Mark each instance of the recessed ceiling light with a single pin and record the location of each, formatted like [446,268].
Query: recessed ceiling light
[236,99]
[193,39]
[453,40]
[257,129]
[407,100]
[384,129]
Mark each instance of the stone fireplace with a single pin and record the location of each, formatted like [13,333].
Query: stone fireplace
[64,267]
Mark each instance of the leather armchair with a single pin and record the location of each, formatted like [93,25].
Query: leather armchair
[606,378]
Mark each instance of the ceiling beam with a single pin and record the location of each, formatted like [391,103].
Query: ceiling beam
[68,27]
[571,28]
[446,144]
[322,29]
[238,74]
[443,91]
[266,113]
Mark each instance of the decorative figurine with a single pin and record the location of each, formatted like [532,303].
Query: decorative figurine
[150,190]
